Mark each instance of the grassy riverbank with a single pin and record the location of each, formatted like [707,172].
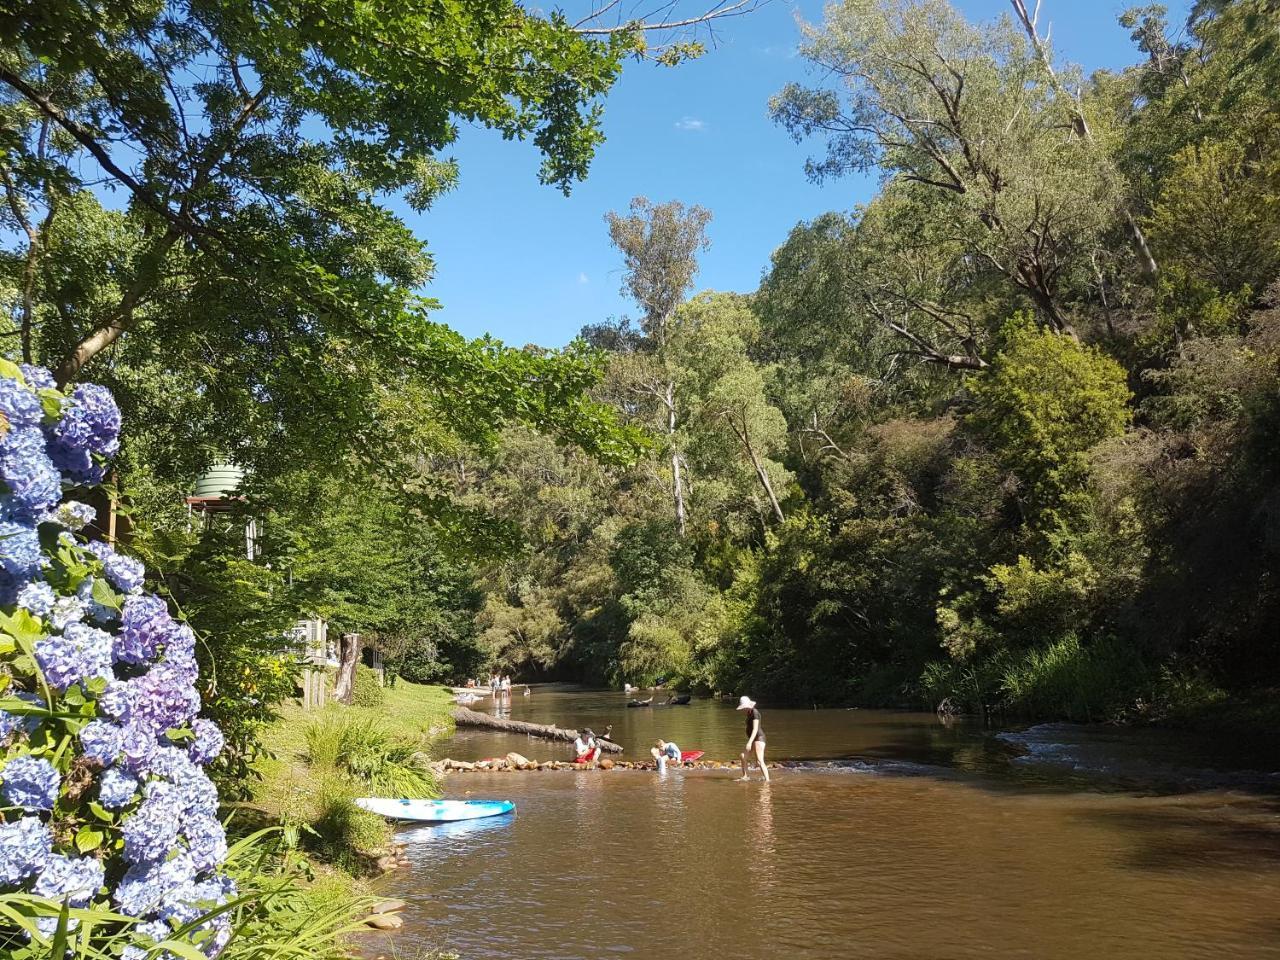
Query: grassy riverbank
[309,780]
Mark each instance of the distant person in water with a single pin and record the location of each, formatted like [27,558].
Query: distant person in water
[755,738]
[585,748]
[662,751]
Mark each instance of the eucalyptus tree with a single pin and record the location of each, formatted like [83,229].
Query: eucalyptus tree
[970,115]
[660,245]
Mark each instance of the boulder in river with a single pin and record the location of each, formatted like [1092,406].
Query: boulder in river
[384,921]
[517,760]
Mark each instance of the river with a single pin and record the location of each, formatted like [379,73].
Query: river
[919,841]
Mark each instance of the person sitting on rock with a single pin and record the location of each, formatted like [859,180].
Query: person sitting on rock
[585,748]
[664,750]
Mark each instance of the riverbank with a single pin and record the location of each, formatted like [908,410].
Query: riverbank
[310,796]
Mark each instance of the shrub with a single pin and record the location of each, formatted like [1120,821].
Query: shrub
[366,752]
[367,691]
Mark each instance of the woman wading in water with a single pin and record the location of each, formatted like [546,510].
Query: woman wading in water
[755,738]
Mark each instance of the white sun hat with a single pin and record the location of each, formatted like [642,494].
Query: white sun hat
[745,703]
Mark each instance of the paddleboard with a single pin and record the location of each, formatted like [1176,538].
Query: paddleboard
[434,811]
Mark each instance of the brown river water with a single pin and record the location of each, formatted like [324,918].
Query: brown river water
[920,841]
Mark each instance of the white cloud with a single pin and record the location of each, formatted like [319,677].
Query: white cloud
[583,279]
[690,123]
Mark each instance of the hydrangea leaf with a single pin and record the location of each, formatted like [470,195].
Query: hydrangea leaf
[88,838]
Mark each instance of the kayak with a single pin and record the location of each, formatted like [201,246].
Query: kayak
[434,811]
[689,756]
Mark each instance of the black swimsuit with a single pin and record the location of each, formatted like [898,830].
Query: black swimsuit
[753,715]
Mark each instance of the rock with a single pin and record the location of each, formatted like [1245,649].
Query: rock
[389,862]
[388,906]
[517,760]
[460,765]
[606,764]
[384,921]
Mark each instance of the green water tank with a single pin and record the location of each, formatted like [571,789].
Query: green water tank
[219,482]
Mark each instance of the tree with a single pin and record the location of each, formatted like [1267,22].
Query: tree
[969,114]
[660,245]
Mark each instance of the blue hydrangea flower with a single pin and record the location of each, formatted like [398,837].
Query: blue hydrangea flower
[19,549]
[67,610]
[116,788]
[145,886]
[9,722]
[73,879]
[113,702]
[124,573]
[208,742]
[97,612]
[25,846]
[152,830]
[89,426]
[30,476]
[37,597]
[30,783]
[80,653]
[75,515]
[19,405]
[206,841]
[38,378]
[101,741]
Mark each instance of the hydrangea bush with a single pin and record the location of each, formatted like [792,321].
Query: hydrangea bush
[108,821]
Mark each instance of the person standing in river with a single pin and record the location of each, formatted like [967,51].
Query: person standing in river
[755,738]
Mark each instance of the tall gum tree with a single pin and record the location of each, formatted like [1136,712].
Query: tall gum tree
[660,245]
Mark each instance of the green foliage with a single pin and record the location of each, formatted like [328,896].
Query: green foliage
[1044,403]
[367,690]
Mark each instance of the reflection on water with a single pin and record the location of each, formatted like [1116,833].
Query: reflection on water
[976,854]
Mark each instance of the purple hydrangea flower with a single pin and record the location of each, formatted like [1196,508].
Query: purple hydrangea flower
[25,846]
[151,832]
[162,698]
[37,597]
[208,742]
[101,741]
[145,627]
[89,426]
[73,879]
[138,746]
[30,783]
[38,378]
[81,653]
[124,573]
[32,479]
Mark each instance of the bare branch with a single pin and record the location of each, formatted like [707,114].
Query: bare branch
[717,12]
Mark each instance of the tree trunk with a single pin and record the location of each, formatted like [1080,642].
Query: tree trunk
[470,718]
[764,478]
[677,481]
[344,684]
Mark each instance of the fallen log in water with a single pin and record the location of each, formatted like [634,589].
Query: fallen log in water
[470,718]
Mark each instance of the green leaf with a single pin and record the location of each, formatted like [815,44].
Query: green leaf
[103,594]
[101,812]
[10,370]
[88,838]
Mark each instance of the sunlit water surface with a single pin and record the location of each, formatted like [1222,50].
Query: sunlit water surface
[931,842]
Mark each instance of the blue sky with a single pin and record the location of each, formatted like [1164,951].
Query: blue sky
[524,263]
